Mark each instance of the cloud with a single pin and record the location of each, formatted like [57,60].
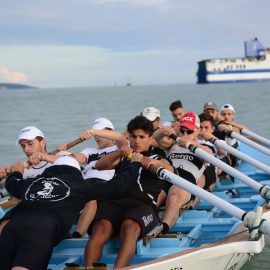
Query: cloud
[12,76]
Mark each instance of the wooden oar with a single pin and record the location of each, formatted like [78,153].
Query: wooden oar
[249,142]
[9,202]
[263,190]
[69,145]
[248,218]
[242,156]
[27,164]
[255,136]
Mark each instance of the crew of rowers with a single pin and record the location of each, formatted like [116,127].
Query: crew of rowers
[109,190]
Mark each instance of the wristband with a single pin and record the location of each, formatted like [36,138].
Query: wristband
[173,136]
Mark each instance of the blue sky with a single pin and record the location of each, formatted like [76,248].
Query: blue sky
[65,43]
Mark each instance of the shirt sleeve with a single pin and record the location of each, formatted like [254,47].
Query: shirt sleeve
[115,187]
[14,184]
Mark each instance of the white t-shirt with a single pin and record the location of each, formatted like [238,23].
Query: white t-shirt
[36,170]
[93,155]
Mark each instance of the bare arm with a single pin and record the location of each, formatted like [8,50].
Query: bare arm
[109,161]
[186,140]
[161,137]
[211,138]
[118,137]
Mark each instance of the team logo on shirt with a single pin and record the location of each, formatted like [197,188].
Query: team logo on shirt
[147,219]
[189,157]
[48,189]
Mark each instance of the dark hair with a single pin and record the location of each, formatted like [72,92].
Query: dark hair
[40,139]
[207,117]
[175,105]
[140,122]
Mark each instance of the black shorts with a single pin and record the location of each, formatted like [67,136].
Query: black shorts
[118,210]
[166,186]
[27,241]
[210,176]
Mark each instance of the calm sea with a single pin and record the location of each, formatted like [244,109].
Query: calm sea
[63,113]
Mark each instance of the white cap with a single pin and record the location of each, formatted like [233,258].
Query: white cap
[69,161]
[227,107]
[102,123]
[29,133]
[151,113]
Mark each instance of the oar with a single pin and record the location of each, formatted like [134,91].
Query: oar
[242,156]
[248,218]
[255,136]
[263,190]
[55,151]
[69,145]
[248,142]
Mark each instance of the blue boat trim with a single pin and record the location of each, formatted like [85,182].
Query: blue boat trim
[236,81]
[239,71]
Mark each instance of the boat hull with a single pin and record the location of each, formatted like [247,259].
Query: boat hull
[231,253]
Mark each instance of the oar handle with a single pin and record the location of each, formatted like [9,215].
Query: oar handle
[245,140]
[241,155]
[246,217]
[225,167]
[255,136]
[69,145]
[27,163]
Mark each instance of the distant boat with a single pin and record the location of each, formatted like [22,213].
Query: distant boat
[255,66]
[128,84]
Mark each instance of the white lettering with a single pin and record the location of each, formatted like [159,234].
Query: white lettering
[187,118]
[147,219]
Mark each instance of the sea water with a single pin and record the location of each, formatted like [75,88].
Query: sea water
[63,113]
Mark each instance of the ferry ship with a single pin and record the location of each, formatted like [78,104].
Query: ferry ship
[255,66]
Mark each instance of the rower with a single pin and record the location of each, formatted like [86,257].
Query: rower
[106,139]
[186,164]
[33,143]
[177,111]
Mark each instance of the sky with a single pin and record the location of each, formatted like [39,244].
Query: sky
[80,43]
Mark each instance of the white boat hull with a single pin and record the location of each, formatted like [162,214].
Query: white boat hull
[226,256]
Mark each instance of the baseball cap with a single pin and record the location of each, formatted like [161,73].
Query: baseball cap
[29,133]
[210,105]
[190,120]
[101,123]
[69,161]
[227,107]
[151,113]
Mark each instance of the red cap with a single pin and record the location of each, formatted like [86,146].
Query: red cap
[190,120]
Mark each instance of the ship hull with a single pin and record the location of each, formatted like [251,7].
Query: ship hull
[254,67]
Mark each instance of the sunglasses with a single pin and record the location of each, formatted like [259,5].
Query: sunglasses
[186,131]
